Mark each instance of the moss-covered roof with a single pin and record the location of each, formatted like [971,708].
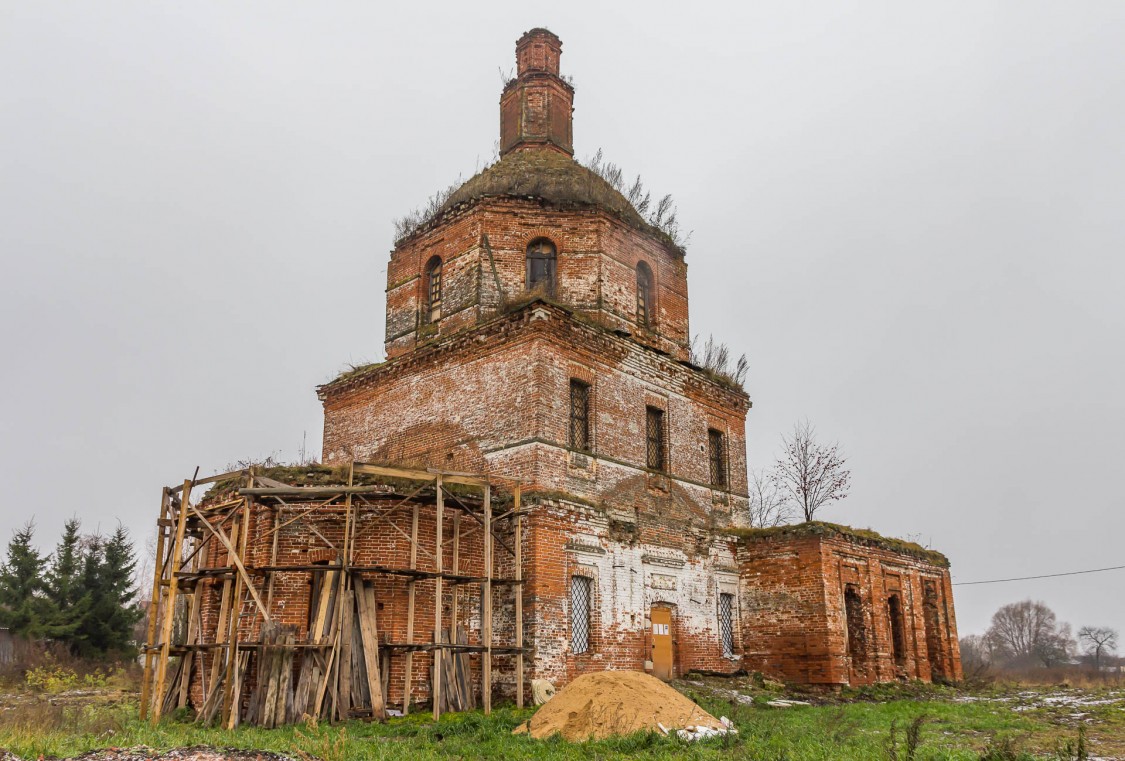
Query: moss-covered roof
[552,177]
[862,536]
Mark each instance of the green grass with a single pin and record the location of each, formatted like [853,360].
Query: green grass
[836,730]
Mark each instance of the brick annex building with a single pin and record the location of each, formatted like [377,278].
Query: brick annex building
[537,330]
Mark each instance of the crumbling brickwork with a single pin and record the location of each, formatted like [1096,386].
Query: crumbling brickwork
[828,606]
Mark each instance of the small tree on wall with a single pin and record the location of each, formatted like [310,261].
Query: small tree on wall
[809,474]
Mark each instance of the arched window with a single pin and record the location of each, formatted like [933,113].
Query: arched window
[541,259]
[644,295]
[432,284]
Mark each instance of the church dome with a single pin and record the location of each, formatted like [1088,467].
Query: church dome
[550,176]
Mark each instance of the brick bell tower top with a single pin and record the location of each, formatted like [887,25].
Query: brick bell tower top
[536,106]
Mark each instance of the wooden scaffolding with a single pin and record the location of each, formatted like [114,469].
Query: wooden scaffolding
[241,663]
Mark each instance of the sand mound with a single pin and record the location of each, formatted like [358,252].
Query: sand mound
[609,703]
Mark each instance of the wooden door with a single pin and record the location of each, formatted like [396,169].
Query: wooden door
[661,643]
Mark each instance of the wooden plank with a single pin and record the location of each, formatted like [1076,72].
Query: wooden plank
[347,621]
[285,688]
[410,612]
[417,475]
[365,599]
[435,668]
[486,614]
[154,607]
[519,594]
[170,604]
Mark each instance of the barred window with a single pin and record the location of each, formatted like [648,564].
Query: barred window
[433,290]
[726,623]
[644,295]
[580,614]
[654,438]
[541,258]
[717,455]
[579,436]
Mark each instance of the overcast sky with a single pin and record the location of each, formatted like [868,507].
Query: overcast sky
[909,216]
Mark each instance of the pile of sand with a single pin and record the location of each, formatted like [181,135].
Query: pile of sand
[609,703]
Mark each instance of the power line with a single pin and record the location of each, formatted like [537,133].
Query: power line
[1043,576]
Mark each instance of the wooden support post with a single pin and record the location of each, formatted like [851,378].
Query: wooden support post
[154,605]
[519,596]
[410,612]
[170,603]
[277,513]
[486,614]
[234,663]
[435,667]
[193,632]
[454,620]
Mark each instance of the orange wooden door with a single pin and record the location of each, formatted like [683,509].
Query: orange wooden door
[661,643]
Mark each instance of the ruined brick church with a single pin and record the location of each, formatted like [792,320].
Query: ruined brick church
[537,333]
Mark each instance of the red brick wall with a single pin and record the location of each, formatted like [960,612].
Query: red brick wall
[796,624]
[596,272]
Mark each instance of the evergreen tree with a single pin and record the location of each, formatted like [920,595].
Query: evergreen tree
[68,603]
[109,613]
[23,609]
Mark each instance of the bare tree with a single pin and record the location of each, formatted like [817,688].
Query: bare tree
[1028,630]
[768,508]
[809,474]
[1098,640]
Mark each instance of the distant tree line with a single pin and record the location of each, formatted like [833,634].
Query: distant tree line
[81,595]
[1028,634]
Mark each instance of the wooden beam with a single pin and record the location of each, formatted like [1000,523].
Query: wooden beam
[486,614]
[154,605]
[435,667]
[410,612]
[170,604]
[418,475]
[519,593]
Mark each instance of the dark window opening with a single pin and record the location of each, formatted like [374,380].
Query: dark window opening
[541,260]
[432,312]
[717,456]
[580,593]
[857,632]
[726,623]
[898,629]
[654,438]
[644,295]
[579,436]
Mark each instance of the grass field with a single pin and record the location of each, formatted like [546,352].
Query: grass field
[993,723]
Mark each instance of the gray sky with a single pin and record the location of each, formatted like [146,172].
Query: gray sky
[907,215]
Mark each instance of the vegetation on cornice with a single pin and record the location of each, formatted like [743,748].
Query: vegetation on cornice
[862,536]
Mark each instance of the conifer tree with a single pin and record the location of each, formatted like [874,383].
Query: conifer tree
[65,594]
[23,608]
[109,613]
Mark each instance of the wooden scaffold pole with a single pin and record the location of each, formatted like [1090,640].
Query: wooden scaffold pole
[170,602]
[435,666]
[486,612]
[519,595]
[410,612]
[154,603]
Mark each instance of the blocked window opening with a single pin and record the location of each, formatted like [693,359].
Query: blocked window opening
[654,438]
[433,290]
[726,623]
[857,632]
[580,592]
[898,630]
[935,641]
[717,456]
[579,436]
[541,260]
[644,295]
